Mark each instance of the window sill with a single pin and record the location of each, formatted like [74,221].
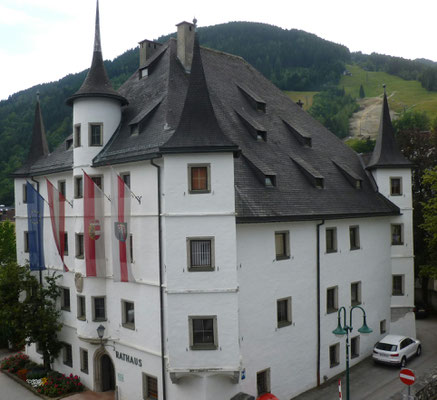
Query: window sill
[199,191]
[68,364]
[201,269]
[331,251]
[79,257]
[280,258]
[203,347]
[397,294]
[331,310]
[283,324]
[355,356]
[99,319]
[85,371]
[397,244]
[78,197]
[334,365]
[355,303]
[81,318]
[355,248]
[65,309]
[128,326]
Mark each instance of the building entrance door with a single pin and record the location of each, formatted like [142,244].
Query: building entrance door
[108,373]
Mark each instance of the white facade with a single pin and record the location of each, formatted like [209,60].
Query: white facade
[241,292]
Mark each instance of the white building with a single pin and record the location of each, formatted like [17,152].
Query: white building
[255,225]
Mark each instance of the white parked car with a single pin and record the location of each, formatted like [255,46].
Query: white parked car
[394,349]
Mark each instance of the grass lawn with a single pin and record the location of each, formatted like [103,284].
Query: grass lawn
[305,97]
[408,94]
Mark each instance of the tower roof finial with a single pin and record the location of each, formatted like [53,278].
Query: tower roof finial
[385,93]
[97,44]
[97,83]
[37,96]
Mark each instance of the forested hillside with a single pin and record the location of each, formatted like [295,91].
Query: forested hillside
[292,59]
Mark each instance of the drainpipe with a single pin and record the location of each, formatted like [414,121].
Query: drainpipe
[161,289]
[318,301]
[37,189]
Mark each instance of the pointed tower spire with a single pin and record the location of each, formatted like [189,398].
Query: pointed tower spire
[97,83]
[198,129]
[386,153]
[39,147]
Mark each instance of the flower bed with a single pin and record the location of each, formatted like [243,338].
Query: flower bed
[51,383]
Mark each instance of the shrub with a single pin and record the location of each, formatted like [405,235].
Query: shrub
[22,374]
[37,373]
[59,384]
[15,362]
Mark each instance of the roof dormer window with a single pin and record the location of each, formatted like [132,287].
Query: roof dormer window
[351,176]
[134,129]
[261,135]
[254,128]
[270,180]
[255,101]
[144,73]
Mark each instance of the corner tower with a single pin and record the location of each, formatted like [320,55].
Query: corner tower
[96,108]
[392,173]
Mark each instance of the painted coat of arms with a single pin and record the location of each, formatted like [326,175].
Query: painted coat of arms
[94,229]
[120,231]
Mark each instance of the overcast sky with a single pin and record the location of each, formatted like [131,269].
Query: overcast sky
[44,40]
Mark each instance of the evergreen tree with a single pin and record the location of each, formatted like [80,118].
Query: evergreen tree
[362,95]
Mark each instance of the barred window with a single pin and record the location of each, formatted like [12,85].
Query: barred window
[201,254]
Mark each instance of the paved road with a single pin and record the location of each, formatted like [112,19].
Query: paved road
[11,390]
[379,382]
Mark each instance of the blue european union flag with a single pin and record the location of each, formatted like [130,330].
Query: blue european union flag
[35,219]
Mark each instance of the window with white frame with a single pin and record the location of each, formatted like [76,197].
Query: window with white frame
[65,244]
[283,312]
[128,314]
[355,293]
[65,299]
[199,178]
[395,186]
[331,240]
[77,136]
[334,355]
[332,299]
[263,381]
[62,187]
[78,187]
[96,134]
[282,245]
[67,355]
[150,387]
[99,309]
[398,285]
[397,234]
[26,242]
[79,245]
[200,253]
[382,326]
[355,347]
[354,237]
[81,307]
[203,332]
[84,360]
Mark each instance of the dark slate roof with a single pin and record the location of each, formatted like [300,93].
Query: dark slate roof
[386,153]
[294,197]
[156,104]
[97,83]
[39,147]
[198,129]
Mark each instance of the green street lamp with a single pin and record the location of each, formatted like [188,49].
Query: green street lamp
[344,330]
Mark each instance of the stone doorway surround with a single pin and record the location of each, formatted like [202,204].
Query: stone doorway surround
[98,373]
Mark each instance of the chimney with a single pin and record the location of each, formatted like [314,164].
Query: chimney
[185,39]
[147,49]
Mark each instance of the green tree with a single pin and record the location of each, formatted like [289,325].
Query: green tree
[412,121]
[429,224]
[13,282]
[7,243]
[362,95]
[361,145]
[42,318]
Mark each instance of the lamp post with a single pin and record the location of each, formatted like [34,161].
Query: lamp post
[344,330]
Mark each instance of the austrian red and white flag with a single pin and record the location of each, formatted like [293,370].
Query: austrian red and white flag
[120,205]
[57,217]
[93,220]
